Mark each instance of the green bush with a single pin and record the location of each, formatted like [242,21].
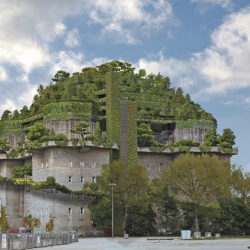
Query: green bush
[21,172]
[61,140]
[51,181]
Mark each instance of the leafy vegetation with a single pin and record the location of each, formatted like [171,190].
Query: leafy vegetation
[33,222]
[200,179]
[130,189]
[81,128]
[50,225]
[144,137]
[4,145]
[3,219]
[21,172]
[88,92]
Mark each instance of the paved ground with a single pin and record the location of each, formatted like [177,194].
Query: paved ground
[144,244]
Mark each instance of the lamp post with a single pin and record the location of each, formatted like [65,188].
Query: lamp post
[112,184]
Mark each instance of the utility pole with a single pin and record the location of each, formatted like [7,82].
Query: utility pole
[112,184]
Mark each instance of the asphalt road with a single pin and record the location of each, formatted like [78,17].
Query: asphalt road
[144,244]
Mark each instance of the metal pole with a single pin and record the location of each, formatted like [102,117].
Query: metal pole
[112,184]
[112,213]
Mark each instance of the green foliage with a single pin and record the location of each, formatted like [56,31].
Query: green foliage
[6,115]
[61,140]
[183,145]
[211,138]
[131,185]
[37,132]
[4,145]
[82,96]
[235,217]
[115,66]
[145,137]
[12,154]
[3,219]
[132,133]
[196,123]
[98,134]
[50,225]
[141,221]
[51,181]
[241,184]
[74,141]
[100,214]
[113,107]
[227,140]
[61,76]
[142,72]
[82,143]
[33,222]
[157,147]
[199,179]
[52,132]
[21,172]
[81,128]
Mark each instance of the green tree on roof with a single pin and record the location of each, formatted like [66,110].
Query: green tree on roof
[81,128]
[61,76]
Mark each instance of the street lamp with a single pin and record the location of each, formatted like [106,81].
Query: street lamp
[112,184]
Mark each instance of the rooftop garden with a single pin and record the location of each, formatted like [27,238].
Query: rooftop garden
[83,95]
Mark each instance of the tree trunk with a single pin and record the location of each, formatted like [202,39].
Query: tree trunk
[196,221]
[125,220]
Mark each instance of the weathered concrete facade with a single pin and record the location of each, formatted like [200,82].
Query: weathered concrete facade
[194,134]
[70,211]
[6,165]
[65,127]
[72,167]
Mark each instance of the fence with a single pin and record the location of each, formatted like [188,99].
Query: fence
[30,241]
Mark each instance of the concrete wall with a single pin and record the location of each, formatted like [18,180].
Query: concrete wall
[57,204]
[12,197]
[7,165]
[14,139]
[155,163]
[22,201]
[194,134]
[64,127]
[65,162]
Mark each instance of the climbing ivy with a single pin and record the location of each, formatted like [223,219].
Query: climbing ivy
[113,107]
[132,133]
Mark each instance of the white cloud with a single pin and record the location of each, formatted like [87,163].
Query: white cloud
[27,96]
[227,4]
[3,74]
[73,62]
[125,17]
[59,28]
[68,61]
[72,38]
[246,100]
[220,68]
[7,104]
[181,72]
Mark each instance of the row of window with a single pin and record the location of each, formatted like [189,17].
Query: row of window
[82,164]
[82,179]
[70,164]
[158,168]
[81,210]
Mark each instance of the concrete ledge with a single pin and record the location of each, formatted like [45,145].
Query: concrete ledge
[192,150]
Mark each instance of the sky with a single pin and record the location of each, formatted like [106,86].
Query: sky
[202,45]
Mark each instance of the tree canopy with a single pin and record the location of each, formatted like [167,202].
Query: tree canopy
[130,188]
[155,97]
[200,179]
